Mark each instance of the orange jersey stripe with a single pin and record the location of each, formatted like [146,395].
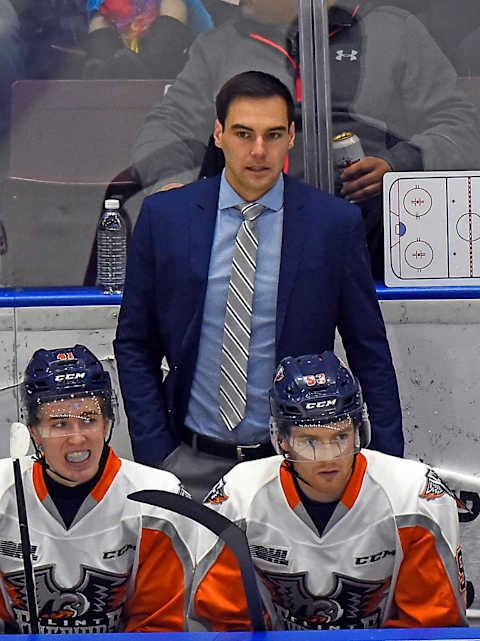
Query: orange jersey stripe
[424,596]
[288,485]
[159,600]
[39,481]
[355,483]
[112,466]
[220,598]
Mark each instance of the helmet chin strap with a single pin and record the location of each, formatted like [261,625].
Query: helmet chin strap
[46,466]
[294,473]
[40,458]
[290,467]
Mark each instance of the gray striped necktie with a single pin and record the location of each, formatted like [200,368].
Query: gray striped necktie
[238,319]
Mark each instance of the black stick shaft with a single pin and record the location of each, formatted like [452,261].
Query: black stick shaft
[230,533]
[26,548]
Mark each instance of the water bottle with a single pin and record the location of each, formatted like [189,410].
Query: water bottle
[111,248]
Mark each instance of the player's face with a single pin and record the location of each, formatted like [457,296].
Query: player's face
[71,434]
[255,141]
[323,457]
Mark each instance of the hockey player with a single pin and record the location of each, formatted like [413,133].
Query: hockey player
[341,536]
[101,563]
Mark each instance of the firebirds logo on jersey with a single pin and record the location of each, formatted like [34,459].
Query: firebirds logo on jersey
[351,604]
[435,488]
[94,604]
[217,493]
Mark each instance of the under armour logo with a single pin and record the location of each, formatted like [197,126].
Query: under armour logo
[342,55]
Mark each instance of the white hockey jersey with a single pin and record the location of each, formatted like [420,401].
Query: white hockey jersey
[388,556]
[121,565]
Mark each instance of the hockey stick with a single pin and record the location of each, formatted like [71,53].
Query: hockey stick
[19,444]
[231,534]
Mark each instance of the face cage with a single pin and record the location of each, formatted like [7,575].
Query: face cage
[281,434]
[75,412]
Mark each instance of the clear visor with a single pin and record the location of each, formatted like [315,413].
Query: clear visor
[70,416]
[320,442]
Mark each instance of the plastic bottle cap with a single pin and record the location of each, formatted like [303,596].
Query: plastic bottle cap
[112,203]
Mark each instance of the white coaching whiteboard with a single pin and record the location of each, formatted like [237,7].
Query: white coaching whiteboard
[432,228]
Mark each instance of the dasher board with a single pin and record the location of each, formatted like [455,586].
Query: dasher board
[432,228]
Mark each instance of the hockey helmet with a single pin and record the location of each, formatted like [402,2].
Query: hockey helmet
[57,376]
[316,390]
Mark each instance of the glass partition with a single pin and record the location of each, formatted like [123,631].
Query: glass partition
[78,79]
[404,98]
[115,98]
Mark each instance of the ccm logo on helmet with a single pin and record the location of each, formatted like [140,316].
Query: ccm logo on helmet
[319,404]
[69,377]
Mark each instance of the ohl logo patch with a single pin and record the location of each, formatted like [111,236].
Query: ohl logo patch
[94,604]
[351,604]
[217,493]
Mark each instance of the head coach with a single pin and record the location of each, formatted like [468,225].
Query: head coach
[228,275]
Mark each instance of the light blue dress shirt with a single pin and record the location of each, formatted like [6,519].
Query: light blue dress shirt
[203,416]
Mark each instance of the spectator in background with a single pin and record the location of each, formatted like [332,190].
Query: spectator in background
[222,10]
[391,85]
[142,38]
[12,64]
[468,54]
[449,22]
[12,59]
[52,32]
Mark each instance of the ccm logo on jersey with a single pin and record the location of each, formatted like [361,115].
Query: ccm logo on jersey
[371,558]
[69,377]
[330,403]
[114,554]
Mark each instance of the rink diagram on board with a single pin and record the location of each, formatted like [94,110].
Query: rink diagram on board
[432,228]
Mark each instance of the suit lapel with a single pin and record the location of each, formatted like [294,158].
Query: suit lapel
[295,227]
[201,227]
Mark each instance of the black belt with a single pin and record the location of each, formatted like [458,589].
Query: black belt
[227,450]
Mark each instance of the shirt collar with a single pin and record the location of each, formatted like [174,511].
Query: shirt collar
[228,197]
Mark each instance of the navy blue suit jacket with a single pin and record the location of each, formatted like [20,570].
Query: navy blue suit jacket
[325,282]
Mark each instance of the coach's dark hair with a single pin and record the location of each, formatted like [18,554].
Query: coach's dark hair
[252,84]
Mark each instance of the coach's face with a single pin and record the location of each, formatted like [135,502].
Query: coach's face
[255,141]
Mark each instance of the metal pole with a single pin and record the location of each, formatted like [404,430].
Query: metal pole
[316,99]
[324,95]
[309,99]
